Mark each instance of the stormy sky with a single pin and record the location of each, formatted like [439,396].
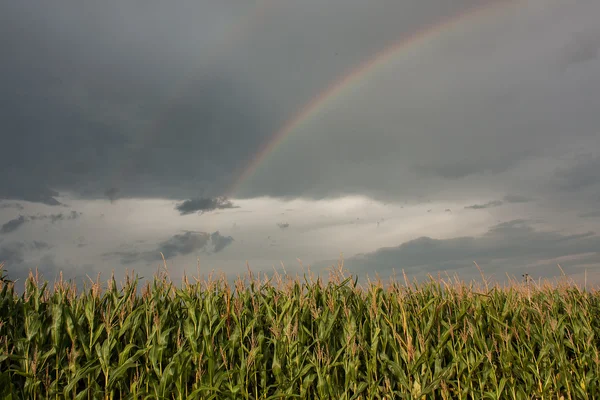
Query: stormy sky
[126,126]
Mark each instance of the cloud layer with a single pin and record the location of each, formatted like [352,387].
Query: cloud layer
[16,223]
[203,204]
[514,247]
[180,118]
[177,245]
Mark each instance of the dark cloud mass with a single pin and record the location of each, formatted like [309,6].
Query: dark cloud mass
[179,110]
[203,204]
[219,241]
[157,120]
[12,253]
[13,224]
[178,245]
[53,218]
[183,244]
[16,223]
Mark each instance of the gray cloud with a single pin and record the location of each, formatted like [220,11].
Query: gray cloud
[13,224]
[17,206]
[53,218]
[203,204]
[16,223]
[219,241]
[183,244]
[171,117]
[97,129]
[40,245]
[385,144]
[506,247]
[490,204]
[177,245]
[283,225]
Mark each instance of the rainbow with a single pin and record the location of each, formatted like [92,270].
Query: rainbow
[230,39]
[357,75]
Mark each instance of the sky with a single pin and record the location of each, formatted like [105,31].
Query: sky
[421,136]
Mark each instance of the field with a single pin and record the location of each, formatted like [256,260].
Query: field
[299,338]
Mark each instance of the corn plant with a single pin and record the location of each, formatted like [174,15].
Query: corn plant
[285,337]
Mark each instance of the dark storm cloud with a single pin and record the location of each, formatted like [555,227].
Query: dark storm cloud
[152,102]
[177,245]
[127,100]
[508,246]
[13,224]
[203,204]
[424,127]
[490,204]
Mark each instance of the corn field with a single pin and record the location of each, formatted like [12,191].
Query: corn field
[298,338]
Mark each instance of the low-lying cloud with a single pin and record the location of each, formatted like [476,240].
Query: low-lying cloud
[21,220]
[203,204]
[506,247]
[177,245]
[13,224]
[490,204]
